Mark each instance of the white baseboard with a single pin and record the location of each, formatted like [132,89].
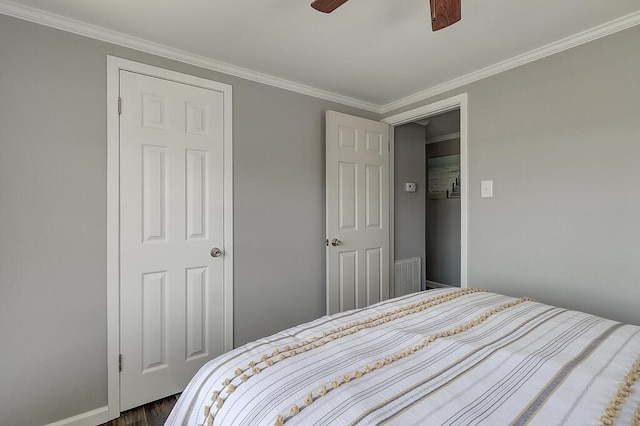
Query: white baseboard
[434,284]
[90,418]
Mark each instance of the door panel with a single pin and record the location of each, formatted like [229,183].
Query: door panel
[196,318]
[172,214]
[374,275]
[154,321]
[197,172]
[373,194]
[347,196]
[357,188]
[348,279]
[154,193]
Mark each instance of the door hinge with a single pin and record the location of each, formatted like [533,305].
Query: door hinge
[389,147]
[120,363]
[119,106]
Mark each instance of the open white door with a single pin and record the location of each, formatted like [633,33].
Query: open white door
[357,172]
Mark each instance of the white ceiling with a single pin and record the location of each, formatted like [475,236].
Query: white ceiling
[376,52]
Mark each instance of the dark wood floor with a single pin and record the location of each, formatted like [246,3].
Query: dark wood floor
[152,414]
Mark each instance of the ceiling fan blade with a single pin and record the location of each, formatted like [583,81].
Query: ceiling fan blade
[327,6]
[444,13]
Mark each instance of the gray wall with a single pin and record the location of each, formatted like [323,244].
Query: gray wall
[409,166]
[442,217]
[560,138]
[53,215]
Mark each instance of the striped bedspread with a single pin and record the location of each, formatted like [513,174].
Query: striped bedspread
[441,357]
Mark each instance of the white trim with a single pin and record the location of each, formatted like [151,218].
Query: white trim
[114,66]
[443,138]
[90,418]
[425,111]
[103,34]
[92,31]
[113,237]
[392,213]
[583,37]
[445,105]
[464,199]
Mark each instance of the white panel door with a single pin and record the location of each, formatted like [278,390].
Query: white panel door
[171,210]
[357,168]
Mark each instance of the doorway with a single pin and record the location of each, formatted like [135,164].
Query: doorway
[409,218]
[170,230]
[442,200]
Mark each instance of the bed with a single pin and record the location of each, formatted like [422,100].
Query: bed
[440,357]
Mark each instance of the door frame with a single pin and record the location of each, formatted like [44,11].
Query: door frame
[455,102]
[114,66]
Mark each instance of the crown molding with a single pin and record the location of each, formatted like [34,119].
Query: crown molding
[121,39]
[600,31]
[99,33]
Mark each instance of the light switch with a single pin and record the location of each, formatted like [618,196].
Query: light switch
[486,189]
[410,187]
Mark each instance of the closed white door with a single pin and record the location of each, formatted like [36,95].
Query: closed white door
[172,216]
[357,172]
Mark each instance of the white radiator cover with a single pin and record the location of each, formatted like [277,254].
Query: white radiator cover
[408,273]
